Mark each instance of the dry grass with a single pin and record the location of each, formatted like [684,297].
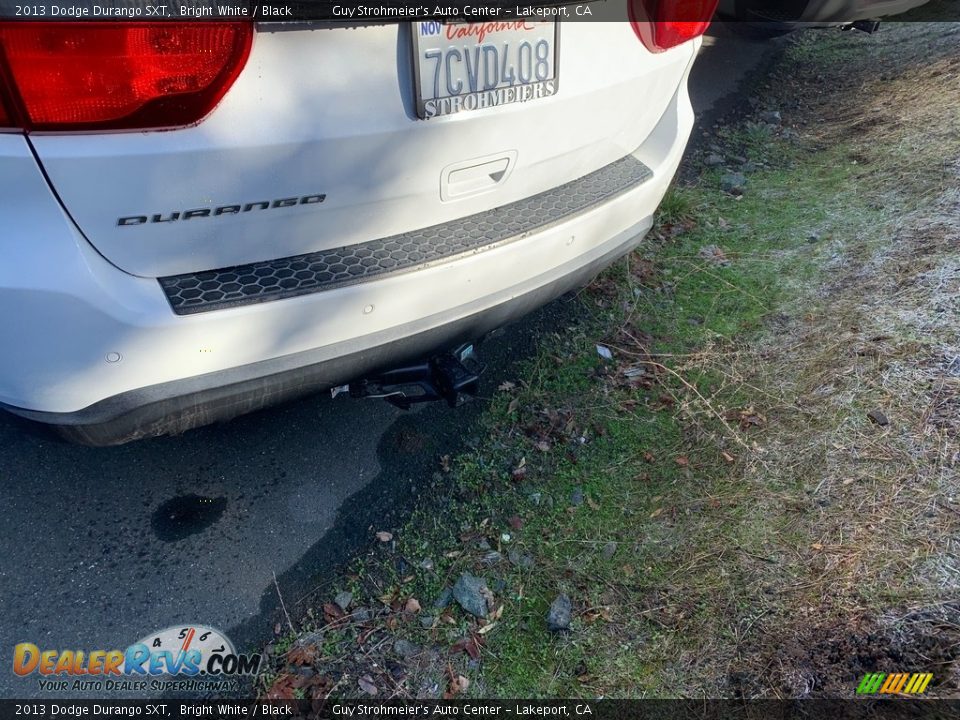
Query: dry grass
[860,520]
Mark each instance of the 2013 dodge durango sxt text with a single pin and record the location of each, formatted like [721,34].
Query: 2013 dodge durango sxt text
[324,201]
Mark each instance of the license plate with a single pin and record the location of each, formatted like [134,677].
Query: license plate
[474,66]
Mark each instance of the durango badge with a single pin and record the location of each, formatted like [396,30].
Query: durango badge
[222,210]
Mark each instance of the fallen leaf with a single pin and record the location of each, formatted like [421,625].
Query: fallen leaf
[302,654]
[468,645]
[514,404]
[543,446]
[817,546]
[748,417]
[384,536]
[656,513]
[457,685]
[520,472]
[515,522]
[648,456]
[594,505]
[506,386]
[282,689]
[333,612]
[604,352]
[682,460]
[412,606]
[317,686]
[486,628]
[727,456]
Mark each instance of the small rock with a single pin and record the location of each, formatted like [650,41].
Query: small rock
[576,497]
[609,550]
[536,497]
[443,599]
[471,594]
[733,183]
[343,600]
[311,638]
[520,560]
[878,417]
[366,684]
[713,160]
[361,614]
[772,117]
[739,159]
[558,619]
[426,564]
[426,621]
[483,544]
[405,648]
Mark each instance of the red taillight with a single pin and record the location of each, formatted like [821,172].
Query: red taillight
[663,24]
[118,76]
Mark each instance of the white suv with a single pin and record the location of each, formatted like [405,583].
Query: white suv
[201,219]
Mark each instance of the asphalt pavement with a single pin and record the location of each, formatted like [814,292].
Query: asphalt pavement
[102,546]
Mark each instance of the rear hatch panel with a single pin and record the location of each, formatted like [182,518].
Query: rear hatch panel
[318,146]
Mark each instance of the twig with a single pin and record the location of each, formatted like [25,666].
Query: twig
[282,604]
[733,434]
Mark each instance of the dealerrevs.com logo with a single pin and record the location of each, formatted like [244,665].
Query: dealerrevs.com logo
[193,657]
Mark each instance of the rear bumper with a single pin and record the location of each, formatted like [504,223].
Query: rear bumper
[176,406]
[100,352]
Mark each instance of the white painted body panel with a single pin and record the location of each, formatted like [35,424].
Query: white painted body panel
[331,110]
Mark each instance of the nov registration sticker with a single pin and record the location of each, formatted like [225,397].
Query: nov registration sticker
[471,66]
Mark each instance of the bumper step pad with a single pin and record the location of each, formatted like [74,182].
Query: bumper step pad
[363,262]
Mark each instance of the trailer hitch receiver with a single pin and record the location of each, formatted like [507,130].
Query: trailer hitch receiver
[448,376]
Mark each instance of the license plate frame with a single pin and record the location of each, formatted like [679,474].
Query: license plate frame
[471,101]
